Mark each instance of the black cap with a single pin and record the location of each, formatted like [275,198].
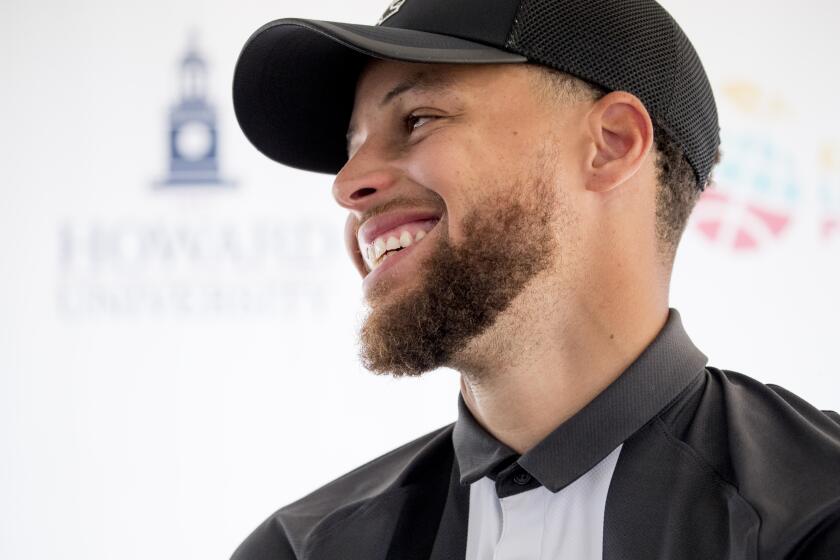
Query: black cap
[295,79]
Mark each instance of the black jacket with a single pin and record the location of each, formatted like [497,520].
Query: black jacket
[715,465]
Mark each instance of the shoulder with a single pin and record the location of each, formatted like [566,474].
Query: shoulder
[778,451]
[284,534]
[769,419]
[731,415]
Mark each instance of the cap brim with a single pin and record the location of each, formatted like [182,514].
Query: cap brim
[295,80]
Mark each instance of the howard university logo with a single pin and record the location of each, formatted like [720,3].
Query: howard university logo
[392,9]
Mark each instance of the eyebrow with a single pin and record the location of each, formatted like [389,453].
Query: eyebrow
[420,82]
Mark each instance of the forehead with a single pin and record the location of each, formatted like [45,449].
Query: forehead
[390,78]
[463,87]
[382,82]
[387,79]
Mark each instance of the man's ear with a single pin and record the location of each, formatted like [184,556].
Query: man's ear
[620,137]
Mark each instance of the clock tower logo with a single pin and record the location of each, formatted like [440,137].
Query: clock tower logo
[193,138]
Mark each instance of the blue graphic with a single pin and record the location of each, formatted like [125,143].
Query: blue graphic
[756,192]
[759,169]
[193,134]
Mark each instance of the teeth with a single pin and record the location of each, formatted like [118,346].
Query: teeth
[405,239]
[376,253]
[378,248]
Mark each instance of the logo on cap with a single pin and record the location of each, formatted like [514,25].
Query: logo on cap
[392,9]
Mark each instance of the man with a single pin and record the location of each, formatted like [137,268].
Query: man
[518,174]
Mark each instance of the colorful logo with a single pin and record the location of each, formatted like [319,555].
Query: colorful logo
[755,192]
[751,201]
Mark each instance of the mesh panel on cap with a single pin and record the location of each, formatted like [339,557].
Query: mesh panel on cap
[628,45]
[693,111]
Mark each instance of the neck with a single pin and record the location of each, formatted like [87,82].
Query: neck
[523,377]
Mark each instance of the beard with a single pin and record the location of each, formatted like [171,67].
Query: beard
[462,289]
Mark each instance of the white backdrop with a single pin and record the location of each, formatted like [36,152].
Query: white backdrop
[178,362]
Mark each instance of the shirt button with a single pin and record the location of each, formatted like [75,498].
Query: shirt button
[521,478]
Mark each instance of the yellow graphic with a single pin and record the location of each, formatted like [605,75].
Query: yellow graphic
[750,99]
[829,156]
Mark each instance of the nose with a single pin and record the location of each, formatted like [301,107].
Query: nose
[363,181]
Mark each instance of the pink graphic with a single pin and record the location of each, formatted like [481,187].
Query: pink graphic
[710,229]
[829,190]
[742,225]
[830,228]
[774,221]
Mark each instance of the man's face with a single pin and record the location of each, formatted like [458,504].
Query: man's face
[468,156]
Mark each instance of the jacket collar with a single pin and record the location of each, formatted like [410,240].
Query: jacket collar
[657,377]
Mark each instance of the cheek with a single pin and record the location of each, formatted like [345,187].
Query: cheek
[466,168]
[455,162]
[454,171]
[443,164]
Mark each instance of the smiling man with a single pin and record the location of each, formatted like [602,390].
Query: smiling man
[518,174]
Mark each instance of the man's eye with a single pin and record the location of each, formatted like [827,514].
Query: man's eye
[414,122]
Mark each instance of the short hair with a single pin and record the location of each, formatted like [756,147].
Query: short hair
[677,190]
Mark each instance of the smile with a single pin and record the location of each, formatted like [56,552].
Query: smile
[386,244]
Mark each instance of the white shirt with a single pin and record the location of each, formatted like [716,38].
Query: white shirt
[538,524]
